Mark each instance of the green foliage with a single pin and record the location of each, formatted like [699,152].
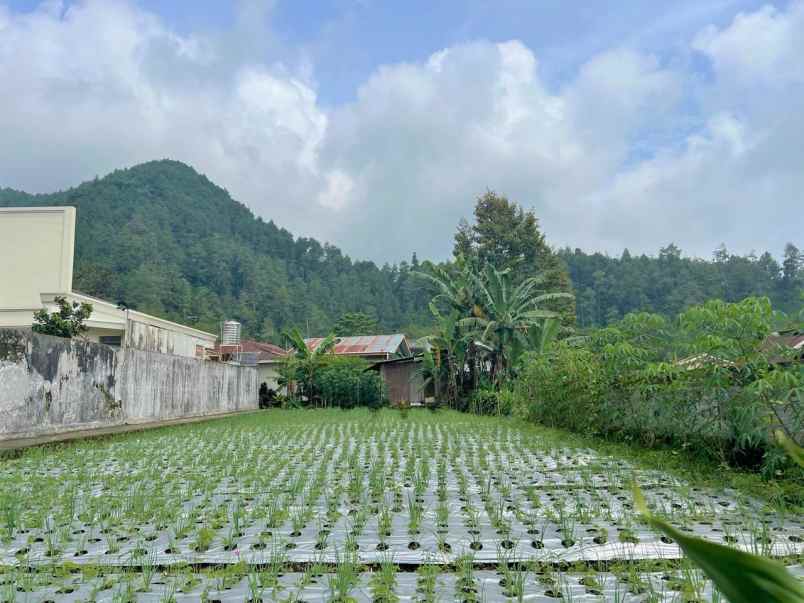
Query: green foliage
[322,379]
[67,321]
[355,323]
[484,323]
[170,242]
[299,371]
[705,382]
[347,383]
[492,401]
[508,237]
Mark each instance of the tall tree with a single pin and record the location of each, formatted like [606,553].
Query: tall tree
[355,323]
[508,237]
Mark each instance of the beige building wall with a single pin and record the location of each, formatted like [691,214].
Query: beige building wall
[267,372]
[36,266]
[36,255]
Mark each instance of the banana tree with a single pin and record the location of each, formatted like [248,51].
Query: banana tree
[449,356]
[508,313]
[304,362]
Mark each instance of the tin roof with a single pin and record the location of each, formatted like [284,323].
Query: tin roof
[365,345]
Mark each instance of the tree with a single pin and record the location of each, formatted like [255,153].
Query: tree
[304,363]
[507,313]
[355,323]
[508,237]
[485,323]
[67,321]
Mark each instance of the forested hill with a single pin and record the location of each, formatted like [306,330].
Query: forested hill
[607,288]
[166,240]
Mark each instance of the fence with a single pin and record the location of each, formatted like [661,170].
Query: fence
[50,385]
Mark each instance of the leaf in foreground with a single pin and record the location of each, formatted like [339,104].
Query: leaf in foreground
[740,576]
[793,449]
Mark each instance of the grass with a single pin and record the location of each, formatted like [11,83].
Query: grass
[281,503]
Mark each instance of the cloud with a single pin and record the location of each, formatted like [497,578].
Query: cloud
[633,149]
[422,141]
[103,84]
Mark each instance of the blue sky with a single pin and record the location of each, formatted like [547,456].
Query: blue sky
[622,123]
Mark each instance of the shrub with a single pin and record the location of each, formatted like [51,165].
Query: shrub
[492,401]
[704,383]
[67,321]
[347,382]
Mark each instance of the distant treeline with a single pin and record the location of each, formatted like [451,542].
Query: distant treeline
[607,288]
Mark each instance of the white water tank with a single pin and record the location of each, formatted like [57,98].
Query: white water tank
[230,333]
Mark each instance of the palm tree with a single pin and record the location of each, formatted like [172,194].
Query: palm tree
[508,314]
[304,362]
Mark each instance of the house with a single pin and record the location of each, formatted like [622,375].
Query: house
[785,346]
[368,347]
[269,358]
[37,249]
[390,356]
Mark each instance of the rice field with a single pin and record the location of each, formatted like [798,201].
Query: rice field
[358,506]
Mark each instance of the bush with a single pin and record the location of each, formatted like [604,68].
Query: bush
[67,321]
[347,382]
[704,383]
[491,401]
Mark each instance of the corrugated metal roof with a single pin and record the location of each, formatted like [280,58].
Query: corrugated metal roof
[362,345]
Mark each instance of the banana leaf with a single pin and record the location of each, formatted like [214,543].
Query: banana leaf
[740,576]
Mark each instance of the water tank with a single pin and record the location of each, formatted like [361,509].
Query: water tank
[230,333]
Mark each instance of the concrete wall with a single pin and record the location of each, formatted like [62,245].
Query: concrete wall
[155,338]
[52,385]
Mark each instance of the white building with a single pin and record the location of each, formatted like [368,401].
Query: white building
[36,266]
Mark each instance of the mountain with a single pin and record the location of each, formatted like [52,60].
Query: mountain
[168,241]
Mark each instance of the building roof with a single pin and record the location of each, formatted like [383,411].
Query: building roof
[365,345]
[266,352]
[776,343]
[261,351]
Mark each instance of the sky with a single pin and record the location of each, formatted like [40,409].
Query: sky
[374,125]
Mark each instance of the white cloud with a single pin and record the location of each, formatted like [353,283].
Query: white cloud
[424,140]
[764,47]
[631,150]
[104,84]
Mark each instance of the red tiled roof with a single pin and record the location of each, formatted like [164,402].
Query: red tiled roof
[263,350]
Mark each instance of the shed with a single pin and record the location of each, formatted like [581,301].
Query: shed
[402,379]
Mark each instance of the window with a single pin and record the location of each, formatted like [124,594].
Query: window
[112,340]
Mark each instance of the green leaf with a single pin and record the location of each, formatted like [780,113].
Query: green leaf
[740,576]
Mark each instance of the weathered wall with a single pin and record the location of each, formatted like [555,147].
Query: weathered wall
[50,385]
[158,386]
[403,382]
[153,338]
